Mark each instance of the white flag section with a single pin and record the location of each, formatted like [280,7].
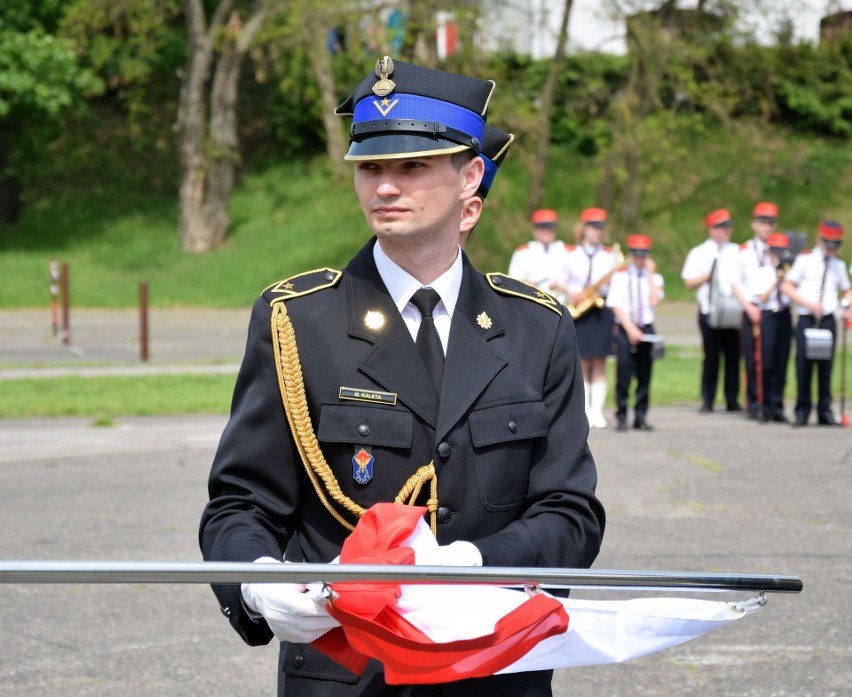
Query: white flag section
[435,633]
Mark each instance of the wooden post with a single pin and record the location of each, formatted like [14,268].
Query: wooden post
[54,296]
[64,284]
[143,322]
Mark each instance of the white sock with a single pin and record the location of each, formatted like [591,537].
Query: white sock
[597,399]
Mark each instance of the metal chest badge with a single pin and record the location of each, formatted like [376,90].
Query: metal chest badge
[362,466]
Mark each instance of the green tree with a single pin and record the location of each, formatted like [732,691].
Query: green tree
[41,81]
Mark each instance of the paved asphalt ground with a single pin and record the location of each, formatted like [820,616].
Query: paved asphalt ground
[712,493]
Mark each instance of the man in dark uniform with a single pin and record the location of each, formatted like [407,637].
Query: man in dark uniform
[353,391]
[495,147]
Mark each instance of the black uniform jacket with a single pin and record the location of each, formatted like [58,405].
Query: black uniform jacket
[508,437]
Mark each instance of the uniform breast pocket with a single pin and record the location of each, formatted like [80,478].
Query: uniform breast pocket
[503,437]
[365,424]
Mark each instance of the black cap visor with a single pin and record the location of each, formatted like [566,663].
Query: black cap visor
[400,145]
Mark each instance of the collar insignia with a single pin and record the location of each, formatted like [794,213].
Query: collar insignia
[384,69]
[483,320]
[374,320]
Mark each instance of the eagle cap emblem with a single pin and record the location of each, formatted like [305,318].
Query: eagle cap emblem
[384,69]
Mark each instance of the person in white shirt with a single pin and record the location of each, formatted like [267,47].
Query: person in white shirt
[813,284]
[753,256]
[776,328]
[711,270]
[589,267]
[634,292]
[543,261]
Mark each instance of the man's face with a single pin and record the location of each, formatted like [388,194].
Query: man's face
[592,234]
[762,228]
[416,197]
[544,233]
[720,233]
[829,249]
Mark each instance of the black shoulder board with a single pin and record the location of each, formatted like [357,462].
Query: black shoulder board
[512,286]
[302,284]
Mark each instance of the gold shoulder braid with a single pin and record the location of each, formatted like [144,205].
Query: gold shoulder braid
[292,386]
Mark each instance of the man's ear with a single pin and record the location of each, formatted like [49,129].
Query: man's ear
[470,213]
[473,172]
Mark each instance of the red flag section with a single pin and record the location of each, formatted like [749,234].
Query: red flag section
[373,622]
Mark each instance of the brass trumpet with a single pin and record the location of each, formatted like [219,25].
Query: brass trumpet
[591,295]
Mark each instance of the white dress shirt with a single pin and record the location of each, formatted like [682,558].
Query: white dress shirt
[540,265]
[699,261]
[630,292]
[753,256]
[402,285]
[807,274]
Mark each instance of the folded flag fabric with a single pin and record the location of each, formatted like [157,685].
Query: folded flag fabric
[437,633]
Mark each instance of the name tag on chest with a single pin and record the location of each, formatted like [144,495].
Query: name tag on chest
[358,395]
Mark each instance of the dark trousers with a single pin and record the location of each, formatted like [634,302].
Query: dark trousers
[717,343]
[632,360]
[804,370]
[776,329]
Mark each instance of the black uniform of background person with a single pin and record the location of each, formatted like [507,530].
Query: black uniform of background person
[507,435]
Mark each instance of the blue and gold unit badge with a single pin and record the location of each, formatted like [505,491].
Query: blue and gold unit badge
[362,466]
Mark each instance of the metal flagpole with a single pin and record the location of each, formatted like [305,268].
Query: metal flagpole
[242,572]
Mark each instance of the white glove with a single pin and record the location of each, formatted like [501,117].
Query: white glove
[459,553]
[294,611]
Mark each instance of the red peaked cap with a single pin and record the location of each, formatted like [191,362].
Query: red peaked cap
[639,243]
[718,217]
[593,215]
[778,240]
[831,230]
[372,626]
[765,209]
[544,216]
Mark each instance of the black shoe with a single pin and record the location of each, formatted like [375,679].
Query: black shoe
[734,407]
[642,425]
[828,420]
[763,418]
[621,426]
[752,415]
[780,418]
[705,409]
[800,421]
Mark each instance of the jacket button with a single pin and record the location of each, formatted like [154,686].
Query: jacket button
[364,430]
[444,449]
[513,427]
[298,661]
[443,514]
[225,611]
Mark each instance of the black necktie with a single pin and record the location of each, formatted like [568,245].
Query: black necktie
[428,342]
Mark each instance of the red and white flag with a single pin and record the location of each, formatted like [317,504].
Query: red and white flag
[436,633]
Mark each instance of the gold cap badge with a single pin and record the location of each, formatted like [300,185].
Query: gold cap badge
[384,69]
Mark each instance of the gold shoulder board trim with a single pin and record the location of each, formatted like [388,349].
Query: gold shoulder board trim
[512,286]
[302,284]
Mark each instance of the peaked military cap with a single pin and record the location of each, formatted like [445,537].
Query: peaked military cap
[495,146]
[405,110]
